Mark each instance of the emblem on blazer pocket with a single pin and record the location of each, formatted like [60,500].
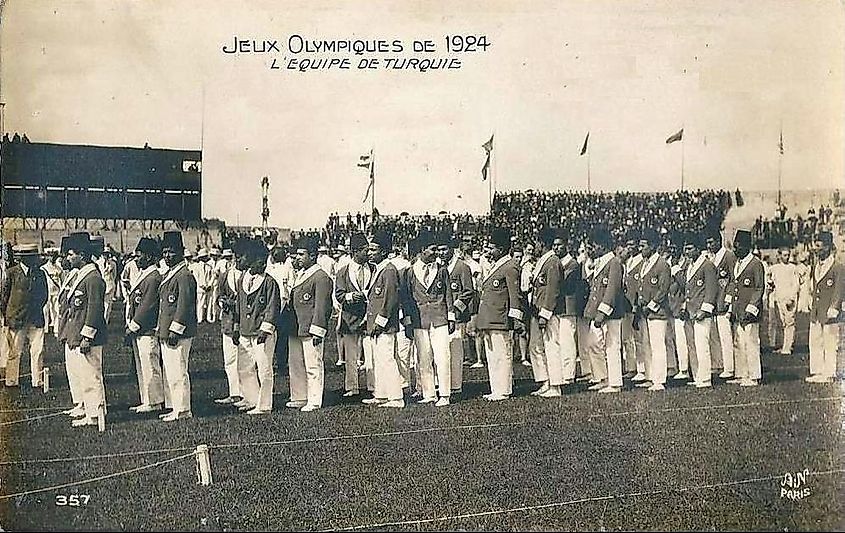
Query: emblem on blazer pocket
[723,273]
[171,298]
[636,276]
[262,300]
[77,302]
[137,300]
[604,281]
[439,284]
[723,283]
[830,283]
[454,286]
[496,283]
[541,279]
[377,290]
[746,282]
[653,280]
[305,297]
[700,282]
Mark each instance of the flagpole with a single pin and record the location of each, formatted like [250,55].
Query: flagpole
[682,160]
[373,181]
[780,163]
[588,170]
[492,176]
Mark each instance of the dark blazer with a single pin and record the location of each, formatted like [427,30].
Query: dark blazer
[311,299]
[463,290]
[653,294]
[500,303]
[828,294]
[701,290]
[257,310]
[724,276]
[23,297]
[84,314]
[424,307]
[745,293]
[383,299]
[606,292]
[143,303]
[353,315]
[178,303]
[677,287]
[547,296]
[227,300]
[575,291]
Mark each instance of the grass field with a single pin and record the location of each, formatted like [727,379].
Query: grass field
[684,459]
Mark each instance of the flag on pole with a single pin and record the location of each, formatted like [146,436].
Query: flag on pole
[367,161]
[780,143]
[677,137]
[488,147]
[586,140]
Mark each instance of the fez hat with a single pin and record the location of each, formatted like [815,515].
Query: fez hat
[742,237]
[600,235]
[383,239]
[63,248]
[444,238]
[79,242]
[501,237]
[424,239]
[26,249]
[358,241]
[547,235]
[148,246]
[256,250]
[414,246]
[306,243]
[650,235]
[825,237]
[694,238]
[98,244]
[173,240]
[562,234]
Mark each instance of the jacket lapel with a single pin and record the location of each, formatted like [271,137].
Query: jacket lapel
[81,275]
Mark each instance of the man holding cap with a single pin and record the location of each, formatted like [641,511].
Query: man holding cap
[85,327]
[311,303]
[499,314]
[23,299]
[828,282]
[142,314]
[745,300]
[177,324]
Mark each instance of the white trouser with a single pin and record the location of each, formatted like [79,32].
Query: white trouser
[787,321]
[747,351]
[386,364]
[404,345]
[176,374]
[211,312]
[722,344]
[90,375]
[643,347]
[699,357]
[456,353]
[824,341]
[148,367]
[597,350]
[35,336]
[306,370]
[230,365]
[498,345]
[629,343]
[657,343]
[108,302]
[681,346]
[73,380]
[50,313]
[547,364]
[203,303]
[349,347]
[255,370]
[585,341]
[368,345]
[432,346]
[5,344]
[608,340]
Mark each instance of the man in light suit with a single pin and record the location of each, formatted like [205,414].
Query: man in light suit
[311,306]
[383,324]
[745,300]
[177,325]
[701,289]
[784,297]
[499,314]
[429,318]
[826,311]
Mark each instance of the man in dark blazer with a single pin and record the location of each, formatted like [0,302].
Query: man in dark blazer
[546,306]
[499,314]
[177,324]
[142,312]
[653,307]
[574,292]
[85,328]
[701,289]
[461,284]
[826,310]
[311,304]
[351,284]
[227,303]
[24,295]
[721,336]
[745,301]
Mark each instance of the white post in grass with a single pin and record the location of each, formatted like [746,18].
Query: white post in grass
[101,420]
[45,380]
[203,466]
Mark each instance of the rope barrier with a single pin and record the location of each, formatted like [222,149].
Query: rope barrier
[98,478]
[30,419]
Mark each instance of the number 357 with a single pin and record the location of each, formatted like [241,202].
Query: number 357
[72,500]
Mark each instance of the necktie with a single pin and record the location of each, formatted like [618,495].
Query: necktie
[362,280]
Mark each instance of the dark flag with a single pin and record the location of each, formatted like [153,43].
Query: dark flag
[488,147]
[367,161]
[586,140]
[677,137]
[780,143]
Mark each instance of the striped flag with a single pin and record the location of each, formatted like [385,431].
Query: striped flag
[586,140]
[676,137]
[488,147]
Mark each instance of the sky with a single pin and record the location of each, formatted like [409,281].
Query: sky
[732,74]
